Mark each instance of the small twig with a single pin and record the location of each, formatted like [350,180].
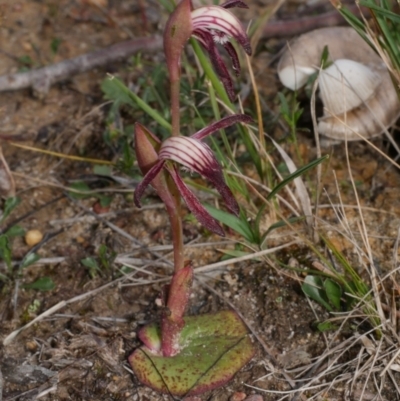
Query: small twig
[292,27]
[250,256]
[41,79]
[30,213]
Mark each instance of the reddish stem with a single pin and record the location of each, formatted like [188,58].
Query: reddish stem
[175,115]
[172,321]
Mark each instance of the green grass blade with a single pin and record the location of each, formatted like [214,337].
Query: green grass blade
[219,88]
[381,11]
[296,174]
[116,90]
[237,224]
[354,22]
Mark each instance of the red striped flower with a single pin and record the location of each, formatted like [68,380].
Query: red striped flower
[196,156]
[211,25]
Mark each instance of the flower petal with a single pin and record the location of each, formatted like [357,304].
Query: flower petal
[189,152]
[219,19]
[234,57]
[221,124]
[198,156]
[207,40]
[195,206]
[147,179]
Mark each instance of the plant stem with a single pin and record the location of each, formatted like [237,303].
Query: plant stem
[172,201]
[177,237]
[178,291]
[175,117]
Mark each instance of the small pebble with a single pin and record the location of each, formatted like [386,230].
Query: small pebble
[31,346]
[33,237]
[238,396]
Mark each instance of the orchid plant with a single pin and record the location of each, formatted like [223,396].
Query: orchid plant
[192,355]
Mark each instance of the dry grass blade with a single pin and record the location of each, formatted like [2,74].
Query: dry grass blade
[319,153]
[251,256]
[261,22]
[301,189]
[1,386]
[7,184]
[62,155]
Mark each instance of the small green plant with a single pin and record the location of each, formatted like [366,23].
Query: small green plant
[26,63]
[101,265]
[55,45]
[342,290]
[80,190]
[7,236]
[291,113]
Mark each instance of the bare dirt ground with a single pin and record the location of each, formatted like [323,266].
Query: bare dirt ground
[80,351]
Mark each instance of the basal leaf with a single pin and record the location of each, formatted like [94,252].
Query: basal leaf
[42,284]
[9,206]
[5,250]
[213,349]
[333,292]
[29,259]
[313,288]
[80,190]
[15,231]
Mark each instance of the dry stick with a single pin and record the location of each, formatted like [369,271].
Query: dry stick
[254,256]
[29,214]
[279,29]
[42,78]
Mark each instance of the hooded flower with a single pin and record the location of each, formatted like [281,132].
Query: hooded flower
[211,25]
[195,155]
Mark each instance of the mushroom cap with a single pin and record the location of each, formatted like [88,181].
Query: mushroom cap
[346,84]
[370,119]
[366,105]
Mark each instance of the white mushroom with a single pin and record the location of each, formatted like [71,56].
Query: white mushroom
[356,89]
